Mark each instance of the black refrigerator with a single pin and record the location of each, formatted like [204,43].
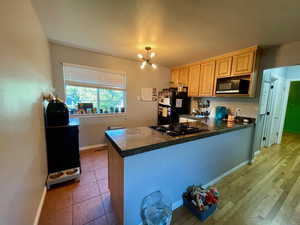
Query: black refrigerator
[172,103]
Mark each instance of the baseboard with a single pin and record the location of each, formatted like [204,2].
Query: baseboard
[89,147]
[255,155]
[39,210]
[214,181]
[179,203]
[257,152]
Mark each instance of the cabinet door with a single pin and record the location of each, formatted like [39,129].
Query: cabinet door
[193,87]
[183,76]
[223,67]
[174,77]
[242,64]
[207,78]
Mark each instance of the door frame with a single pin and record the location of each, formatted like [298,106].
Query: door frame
[260,119]
[285,103]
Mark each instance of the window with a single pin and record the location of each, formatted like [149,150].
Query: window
[92,90]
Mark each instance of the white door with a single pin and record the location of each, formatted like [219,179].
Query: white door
[278,109]
[266,112]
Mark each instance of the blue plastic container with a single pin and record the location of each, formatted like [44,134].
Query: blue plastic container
[221,112]
[201,215]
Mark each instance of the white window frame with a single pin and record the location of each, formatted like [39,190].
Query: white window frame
[71,83]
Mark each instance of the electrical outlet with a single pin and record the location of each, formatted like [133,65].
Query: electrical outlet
[237,112]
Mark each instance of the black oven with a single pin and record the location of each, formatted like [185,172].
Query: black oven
[232,86]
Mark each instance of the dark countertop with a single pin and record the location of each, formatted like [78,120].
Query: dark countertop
[133,141]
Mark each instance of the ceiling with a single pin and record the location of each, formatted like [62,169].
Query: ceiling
[179,31]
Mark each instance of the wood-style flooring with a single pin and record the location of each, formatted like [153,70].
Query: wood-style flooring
[264,193]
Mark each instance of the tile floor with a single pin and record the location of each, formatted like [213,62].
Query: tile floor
[82,203]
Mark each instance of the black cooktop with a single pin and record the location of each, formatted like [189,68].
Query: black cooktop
[177,129]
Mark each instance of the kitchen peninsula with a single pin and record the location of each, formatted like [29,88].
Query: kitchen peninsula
[143,160]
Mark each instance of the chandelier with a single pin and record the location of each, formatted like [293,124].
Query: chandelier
[146,59]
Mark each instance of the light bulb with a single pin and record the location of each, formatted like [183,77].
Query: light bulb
[154,66]
[143,65]
[152,54]
[140,56]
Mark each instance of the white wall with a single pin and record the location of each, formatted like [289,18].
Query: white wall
[293,72]
[24,74]
[138,113]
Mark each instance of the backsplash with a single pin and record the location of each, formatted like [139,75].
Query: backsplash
[248,106]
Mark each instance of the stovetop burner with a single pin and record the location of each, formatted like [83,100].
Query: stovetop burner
[177,129]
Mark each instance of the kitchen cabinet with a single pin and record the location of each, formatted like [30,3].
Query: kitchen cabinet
[194,75]
[201,77]
[207,79]
[242,63]
[180,77]
[174,77]
[183,76]
[223,67]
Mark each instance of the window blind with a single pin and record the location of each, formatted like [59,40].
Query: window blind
[94,77]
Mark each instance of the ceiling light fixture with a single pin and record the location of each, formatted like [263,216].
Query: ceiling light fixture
[146,59]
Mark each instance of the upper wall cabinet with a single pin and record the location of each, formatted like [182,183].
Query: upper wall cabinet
[242,64]
[174,77]
[193,87]
[180,77]
[223,66]
[207,79]
[201,77]
[183,76]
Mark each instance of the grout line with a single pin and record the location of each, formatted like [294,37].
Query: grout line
[99,196]
[97,218]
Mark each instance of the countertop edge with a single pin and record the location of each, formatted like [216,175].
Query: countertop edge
[147,148]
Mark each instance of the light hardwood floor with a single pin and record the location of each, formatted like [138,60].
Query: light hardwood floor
[264,193]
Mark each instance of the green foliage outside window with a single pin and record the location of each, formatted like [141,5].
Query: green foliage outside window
[103,99]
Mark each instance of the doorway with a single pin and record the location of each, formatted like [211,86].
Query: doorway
[277,112]
[291,122]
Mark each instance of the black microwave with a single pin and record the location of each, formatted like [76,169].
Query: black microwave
[232,86]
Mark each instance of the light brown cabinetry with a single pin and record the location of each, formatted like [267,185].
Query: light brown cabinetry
[223,67]
[242,64]
[201,77]
[174,77]
[194,74]
[207,79]
[180,77]
[183,79]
